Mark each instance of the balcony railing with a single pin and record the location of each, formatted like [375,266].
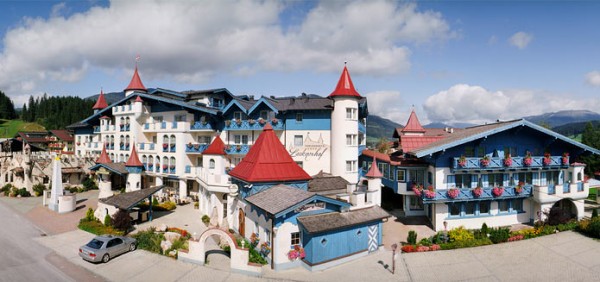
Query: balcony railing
[199,125]
[549,194]
[566,188]
[441,195]
[211,179]
[195,148]
[362,128]
[551,189]
[237,149]
[580,187]
[515,162]
[251,125]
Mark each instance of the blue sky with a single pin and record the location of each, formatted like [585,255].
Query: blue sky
[455,61]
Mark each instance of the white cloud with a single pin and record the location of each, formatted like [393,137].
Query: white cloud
[593,78]
[475,104]
[58,10]
[520,39]
[190,41]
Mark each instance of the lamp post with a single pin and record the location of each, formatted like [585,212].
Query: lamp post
[394,247]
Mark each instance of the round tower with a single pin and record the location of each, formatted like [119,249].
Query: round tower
[344,129]
[374,186]
[135,168]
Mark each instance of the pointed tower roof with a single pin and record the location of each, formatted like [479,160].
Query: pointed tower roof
[103,159]
[267,161]
[217,147]
[134,160]
[374,170]
[136,82]
[413,124]
[101,102]
[138,99]
[345,87]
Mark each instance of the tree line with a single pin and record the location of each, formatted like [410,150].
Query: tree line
[56,112]
[591,137]
[7,108]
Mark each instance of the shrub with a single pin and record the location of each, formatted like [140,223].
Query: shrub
[154,201]
[408,248]
[546,229]
[412,237]
[466,244]
[571,225]
[89,215]
[23,193]
[594,213]
[72,189]
[149,240]
[205,219]
[96,227]
[255,257]
[499,235]
[484,229]
[439,238]
[425,242]
[593,227]
[89,184]
[107,220]
[38,189]
[6,189]
[122,221]
[460,234]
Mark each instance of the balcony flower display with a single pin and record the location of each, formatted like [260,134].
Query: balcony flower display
[497,191]
[527,160]
[238,148]
[196,146]
[254,240]
[508,160]
[227,122]
[429,194]
[261,121]
[165,167]
[519,188]
[453,193]
[251,122]
[565,158]
[477,191]
[462,161]
[238,121]
[296,252]
[189,145]
[547,160]
[274,121]
[418,189]
[173,145]
[485,161]
[172,167]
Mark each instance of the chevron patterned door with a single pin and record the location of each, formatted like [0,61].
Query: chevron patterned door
[373,244]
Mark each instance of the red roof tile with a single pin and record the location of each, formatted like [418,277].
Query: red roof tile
[374,170]
[101,102]
[267,161]
[217,147]
[103,159]
[413,124]
[136,82]
[133,160]
[380,156]
[63,135]
[410,143]
[345,87]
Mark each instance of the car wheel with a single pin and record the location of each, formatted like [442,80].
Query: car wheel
[105,258]
[132,247]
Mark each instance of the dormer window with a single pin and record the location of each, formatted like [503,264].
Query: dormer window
[264,115]
[237,115]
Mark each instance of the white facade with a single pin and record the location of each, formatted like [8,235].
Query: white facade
[344,138]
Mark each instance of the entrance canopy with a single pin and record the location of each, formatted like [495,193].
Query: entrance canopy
[128,200]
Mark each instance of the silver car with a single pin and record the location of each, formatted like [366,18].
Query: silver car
[103,248]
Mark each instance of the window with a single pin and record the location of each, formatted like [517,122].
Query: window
[299,117]
[158,118]
[237,115]
[496,179]
[415,203]
[211,164]
[204,139]
[298,141]
[484,207]
[480,152]
[470,208]
[401,175]
[517,205]
[469,152]
[351,139]
[454,209]
[180,118]
[295,240]
[350,166]
[351,113]
[525,177]
[264,115]
[416,176]
[300,164]
[503,206]
[463,181]
[240,139]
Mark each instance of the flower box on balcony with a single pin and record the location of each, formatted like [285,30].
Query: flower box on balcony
[261,121]
[565,158]
[274,121]
[453,193]
[485,161]
[462,161]
[497,191]
[418,189]
[527,161]
[508,161]
[189,145]
[477,192]
[429,194]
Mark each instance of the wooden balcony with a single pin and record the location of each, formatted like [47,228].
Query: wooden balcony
[442,195]
[516,163]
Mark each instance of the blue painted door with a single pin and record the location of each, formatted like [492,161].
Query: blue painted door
[373,244]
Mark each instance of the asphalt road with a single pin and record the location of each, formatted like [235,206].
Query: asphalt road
[23,259]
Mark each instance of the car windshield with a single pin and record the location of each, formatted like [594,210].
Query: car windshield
[95,244]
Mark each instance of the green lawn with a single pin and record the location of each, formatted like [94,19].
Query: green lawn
[9,128]
[592,195]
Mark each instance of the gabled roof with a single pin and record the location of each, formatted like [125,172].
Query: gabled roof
[410,143]
[217,147]
[267,102]
[128,200]
[118,168]
[136,82]
[345,87]
[101,102]
[413,124]
[134,160]
[103,159]
[326,184]
[63,135]
[267,161]
[243,105]
[374,171]
[336,220]
[476,132]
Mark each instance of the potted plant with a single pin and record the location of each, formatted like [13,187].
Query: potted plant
[165,145]
[227,122]
[507,160]
[296,252]
[527,160]
[429,194]
[196,146]
[265,248]
[238,147]
[497,191]
[261,121]
[196,205]
[485,161]
[274,121]
[251,121]
[565,158]
[189,145]
[418,189]
[238,122]
[462,161]
[453,193]
[477,191]
[547,159]
[519,187]
[254,240]
[165,167]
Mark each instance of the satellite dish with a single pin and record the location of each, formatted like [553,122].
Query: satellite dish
[233,189]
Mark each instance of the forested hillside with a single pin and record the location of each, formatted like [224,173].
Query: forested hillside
[56,112]
[7,108]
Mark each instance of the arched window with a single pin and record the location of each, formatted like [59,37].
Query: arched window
[144,159]
[211,164]
[127,121]
[127,139]
[121,158]
[579,176]
[172,140]
[172,162]
[122,120]
[165,162]
[126,158]
[150,159]
[121,139]
[112,157]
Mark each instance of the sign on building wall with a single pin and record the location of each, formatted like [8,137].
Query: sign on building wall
[309,150]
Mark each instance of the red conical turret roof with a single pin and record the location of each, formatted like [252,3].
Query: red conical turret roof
[138,99]
[345,87]
[217,147]
[133,160]
[268,161]
[374,170]
[136,82]
[103,159]
[413,124]
[101,102]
